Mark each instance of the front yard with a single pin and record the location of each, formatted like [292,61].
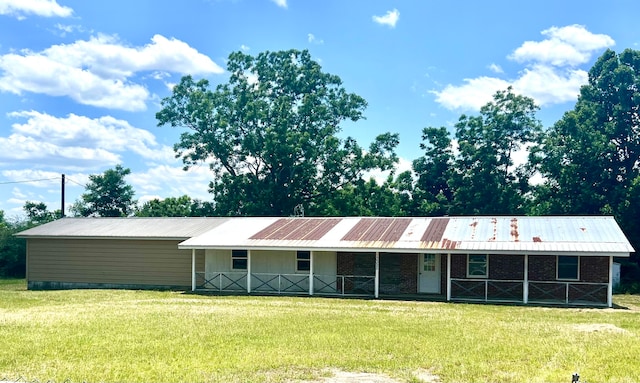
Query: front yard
[151,336]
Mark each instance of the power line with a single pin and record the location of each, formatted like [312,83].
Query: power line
[27,181]
[77,183]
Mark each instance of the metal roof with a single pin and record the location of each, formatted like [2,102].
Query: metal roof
[138,227]
[584,235]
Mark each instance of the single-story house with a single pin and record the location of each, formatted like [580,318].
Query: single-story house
[547,260]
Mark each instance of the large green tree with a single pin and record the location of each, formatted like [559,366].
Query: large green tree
[431,193]
[271,133]
[590,159]
[486,180]
[106,195]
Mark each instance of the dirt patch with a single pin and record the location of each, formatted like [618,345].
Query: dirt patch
[597,327]
[338,376]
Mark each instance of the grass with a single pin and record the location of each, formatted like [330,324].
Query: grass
[150,336]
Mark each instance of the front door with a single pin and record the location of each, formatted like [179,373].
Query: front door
[429,273]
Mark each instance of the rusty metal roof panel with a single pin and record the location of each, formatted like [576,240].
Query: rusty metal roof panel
[435,230]
[383,230]
[297,229]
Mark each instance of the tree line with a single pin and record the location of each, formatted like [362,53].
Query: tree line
[271,136]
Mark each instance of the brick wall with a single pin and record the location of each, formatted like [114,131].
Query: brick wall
[458,266]
[443,274]
[542,268]
[594,269]
[409,273]
[506,267]
[398,272]
[345,263]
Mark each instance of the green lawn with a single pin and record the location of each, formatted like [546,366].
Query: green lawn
[149,336]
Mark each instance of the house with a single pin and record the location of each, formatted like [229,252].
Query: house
[545,260]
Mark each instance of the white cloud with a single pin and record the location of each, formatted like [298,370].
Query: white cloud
[40,74]
[566,46]
[473,94]
[77,142]
[244,48]
[312,39]
[548,85]
[44,8]
[381,176]
[390,18]
[280,3]
[495,68]
[97,72]
[164,181]
[550,74]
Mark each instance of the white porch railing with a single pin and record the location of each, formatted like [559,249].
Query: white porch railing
[230,281]
[347,285]
[541,292]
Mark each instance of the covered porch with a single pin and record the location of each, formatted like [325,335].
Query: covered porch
[303,272]
[522,260]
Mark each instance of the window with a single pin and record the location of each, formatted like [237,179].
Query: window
[568,267]
[303,261]
[239,259]
[429,263]
[477,266]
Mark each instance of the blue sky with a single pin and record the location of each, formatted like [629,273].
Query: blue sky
[81,81]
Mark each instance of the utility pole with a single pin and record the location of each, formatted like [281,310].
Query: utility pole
[62,204]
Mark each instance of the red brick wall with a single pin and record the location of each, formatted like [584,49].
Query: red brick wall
[408,273]
[594,269]
[542,268]
[458,265]
[345,263]
[443,274]
[506,267]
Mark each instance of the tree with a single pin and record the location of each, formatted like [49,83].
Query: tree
[362,199]
[38,213]
[175,207]
[270,134]
[590,158]
[486,181]
[107,195]
[431,193]
[12,249]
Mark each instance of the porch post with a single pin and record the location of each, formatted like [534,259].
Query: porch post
[448,276]
[193,269]
[525,286]
[311,273]
[610,286]
[249,271]
[376,290]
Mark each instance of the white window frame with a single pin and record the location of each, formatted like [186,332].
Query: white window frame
[235,256]
[304,260]
[486,262]
[558,268]
[424,262]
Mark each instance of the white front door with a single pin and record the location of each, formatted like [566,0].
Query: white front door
[429,273]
